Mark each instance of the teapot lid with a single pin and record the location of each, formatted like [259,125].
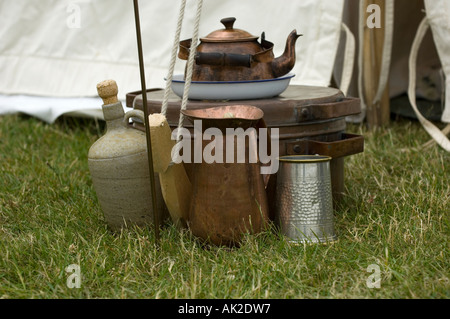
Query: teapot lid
[229,34]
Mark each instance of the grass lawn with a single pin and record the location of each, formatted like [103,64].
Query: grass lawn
[395,215]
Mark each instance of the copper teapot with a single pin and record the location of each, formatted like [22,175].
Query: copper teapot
[235,55]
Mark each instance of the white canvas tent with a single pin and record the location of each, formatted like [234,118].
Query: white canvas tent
[53,53]
[411,60]
[62,49]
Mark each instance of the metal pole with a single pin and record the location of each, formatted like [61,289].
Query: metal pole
[147,124]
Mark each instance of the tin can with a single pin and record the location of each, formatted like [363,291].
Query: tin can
[304,203]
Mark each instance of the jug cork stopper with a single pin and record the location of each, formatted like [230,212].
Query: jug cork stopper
[108,91]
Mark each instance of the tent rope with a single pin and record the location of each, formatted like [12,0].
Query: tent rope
[349,58]
[432,130]
[360,118]
[387,51]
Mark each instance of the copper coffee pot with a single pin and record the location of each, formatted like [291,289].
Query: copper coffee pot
[223,200]
[235,55]
[228,199]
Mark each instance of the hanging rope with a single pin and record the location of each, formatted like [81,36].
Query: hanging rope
[188,79]
[173,58]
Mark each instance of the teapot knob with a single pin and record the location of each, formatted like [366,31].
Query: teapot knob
[228,23]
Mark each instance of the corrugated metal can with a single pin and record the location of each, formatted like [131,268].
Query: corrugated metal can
[304,204]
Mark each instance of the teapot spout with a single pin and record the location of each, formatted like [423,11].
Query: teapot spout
[286,62]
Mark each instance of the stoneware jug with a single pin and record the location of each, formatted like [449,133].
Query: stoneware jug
[119,167]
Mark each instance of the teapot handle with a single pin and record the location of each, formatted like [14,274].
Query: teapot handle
[224,59]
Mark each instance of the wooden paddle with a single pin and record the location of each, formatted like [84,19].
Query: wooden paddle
[175,185]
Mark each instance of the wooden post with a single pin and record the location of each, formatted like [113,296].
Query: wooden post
[378,115]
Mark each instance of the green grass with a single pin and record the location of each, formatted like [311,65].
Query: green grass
[395,214]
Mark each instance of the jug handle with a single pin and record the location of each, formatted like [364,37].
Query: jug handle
[134,113]
[262,124]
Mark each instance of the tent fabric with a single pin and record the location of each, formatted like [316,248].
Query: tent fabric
[62,49]
[438,15]
[407,16]
[438,18]
[386,58]
[48,109]
[435,133]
